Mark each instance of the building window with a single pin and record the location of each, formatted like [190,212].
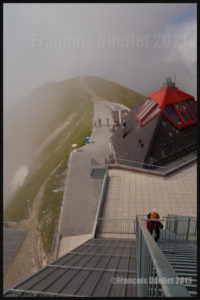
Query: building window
[148,111]
[183,114]
[189,111]
[151,116]
[193,106]
[172,114]
[180,114]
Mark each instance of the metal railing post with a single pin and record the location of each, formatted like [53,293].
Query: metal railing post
[188,228]
[175,227]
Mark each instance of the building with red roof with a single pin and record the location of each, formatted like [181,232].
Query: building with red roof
[159,130]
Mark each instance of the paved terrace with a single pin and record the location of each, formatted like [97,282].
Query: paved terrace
[132,193]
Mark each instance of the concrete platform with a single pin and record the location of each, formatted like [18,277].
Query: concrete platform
[131,193]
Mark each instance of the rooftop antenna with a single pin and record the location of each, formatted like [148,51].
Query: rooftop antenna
[174,79]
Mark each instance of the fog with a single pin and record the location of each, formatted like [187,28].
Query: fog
[136,45]
[55,42]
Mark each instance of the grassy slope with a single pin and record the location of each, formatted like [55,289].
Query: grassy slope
[114,92]
[18,208]
[44,110]
[58,101]
[51,201]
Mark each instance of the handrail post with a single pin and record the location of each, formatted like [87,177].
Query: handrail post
[188,228]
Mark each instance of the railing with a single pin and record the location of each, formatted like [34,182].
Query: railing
[11,225]
[139,167]
[55,244]
[96,170]
[150,168]
[177,227]
[155,275]
[57,232]
[119,226]
[183,226]
[101,201]
[139,164]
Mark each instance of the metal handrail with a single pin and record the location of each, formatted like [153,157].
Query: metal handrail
[101,201]
[115,219]
[141,163]
[152,262]
[179,228]
[186,226]
[160,170]
[116,226]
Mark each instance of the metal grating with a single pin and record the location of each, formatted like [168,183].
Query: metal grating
[12,240]
[86,271]
[182,256]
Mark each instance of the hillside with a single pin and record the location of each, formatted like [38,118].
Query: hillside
[114,92]
[38,134]
[29,124]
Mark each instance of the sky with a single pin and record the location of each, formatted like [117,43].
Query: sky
[136,45]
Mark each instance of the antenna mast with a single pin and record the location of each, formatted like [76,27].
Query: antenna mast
[174,79]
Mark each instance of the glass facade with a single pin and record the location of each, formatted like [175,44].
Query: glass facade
[181,113]
[148,111]
[172,114]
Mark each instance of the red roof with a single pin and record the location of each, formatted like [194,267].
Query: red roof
[169,95]
[179,107]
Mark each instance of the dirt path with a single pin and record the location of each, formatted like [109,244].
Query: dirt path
[53,135]
[93,96]
[31,254]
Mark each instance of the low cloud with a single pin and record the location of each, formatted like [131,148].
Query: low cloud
[119,42]
[184,44]
[135,45]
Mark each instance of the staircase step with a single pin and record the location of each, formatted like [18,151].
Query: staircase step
[181,263]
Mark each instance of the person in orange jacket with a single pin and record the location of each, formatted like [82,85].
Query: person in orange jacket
[154,225]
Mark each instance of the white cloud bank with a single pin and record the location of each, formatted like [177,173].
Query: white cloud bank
[27,66]
[184,46]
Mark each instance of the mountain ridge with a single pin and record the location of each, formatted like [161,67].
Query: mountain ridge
[28,124]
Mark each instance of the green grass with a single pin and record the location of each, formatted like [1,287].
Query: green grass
[114,92]
[51,201]
[61,100]
[54,166]
[18,209]
[36,117]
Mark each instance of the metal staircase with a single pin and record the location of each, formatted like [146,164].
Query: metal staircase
[173,257]
[182,256]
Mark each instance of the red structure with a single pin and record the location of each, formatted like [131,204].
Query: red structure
[179,107]
[160,130]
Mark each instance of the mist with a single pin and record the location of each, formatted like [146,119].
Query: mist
[55,42]
[135,45]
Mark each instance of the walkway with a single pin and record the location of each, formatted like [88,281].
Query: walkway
[81,191]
